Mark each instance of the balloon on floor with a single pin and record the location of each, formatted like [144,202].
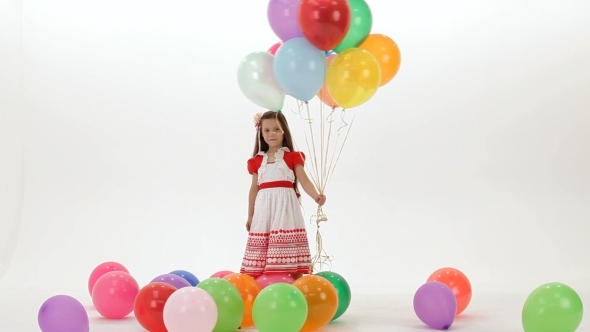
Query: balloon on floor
[552,306]
[458,282]
[435,305]
[63,313]
[306,304]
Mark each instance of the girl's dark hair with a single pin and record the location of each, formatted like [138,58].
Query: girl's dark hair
[261,145]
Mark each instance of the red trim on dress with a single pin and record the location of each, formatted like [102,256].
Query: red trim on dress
[291,158]
[277,184]
[279,251]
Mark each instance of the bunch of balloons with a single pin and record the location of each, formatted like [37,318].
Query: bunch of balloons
[173,302]
[326,49]
[447,293]
[307,304]
[278,302]
[179,302]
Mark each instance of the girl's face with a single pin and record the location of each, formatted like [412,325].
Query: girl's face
[272,133]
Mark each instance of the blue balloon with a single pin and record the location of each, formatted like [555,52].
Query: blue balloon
[300,68]
[186,276]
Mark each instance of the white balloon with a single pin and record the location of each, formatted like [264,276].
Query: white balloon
[257,81]
[190,309]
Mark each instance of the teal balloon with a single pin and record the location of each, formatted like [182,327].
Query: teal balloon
[342,288]
[361,23]
[230,305]
[552,307]
[279,307]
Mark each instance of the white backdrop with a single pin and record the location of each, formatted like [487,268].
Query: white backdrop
[11,128]
[475,156]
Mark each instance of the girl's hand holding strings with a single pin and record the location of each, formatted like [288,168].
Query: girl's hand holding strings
[320,200]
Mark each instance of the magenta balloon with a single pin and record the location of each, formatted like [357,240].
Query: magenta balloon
[283,18]
[273,278]
[435,305]
[220,274]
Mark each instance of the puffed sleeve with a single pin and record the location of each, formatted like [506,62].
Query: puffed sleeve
[253,165]
[297,158]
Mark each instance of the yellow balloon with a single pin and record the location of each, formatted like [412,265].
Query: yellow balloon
[353,77]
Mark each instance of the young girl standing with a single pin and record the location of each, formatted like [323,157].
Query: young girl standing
[277,239]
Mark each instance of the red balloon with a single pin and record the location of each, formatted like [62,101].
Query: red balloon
[457,282]
[274,48]
[324,22]
[149,305]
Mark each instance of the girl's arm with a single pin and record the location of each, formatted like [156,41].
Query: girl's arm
[252,195]
[306,183]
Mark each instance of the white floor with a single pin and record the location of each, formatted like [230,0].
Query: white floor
[391,313]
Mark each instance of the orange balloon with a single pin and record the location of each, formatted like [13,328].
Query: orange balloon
[249,289]
[387,53]
[322,301]
[324,93]
[457,282]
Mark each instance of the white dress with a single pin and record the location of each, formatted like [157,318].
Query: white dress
[277,241]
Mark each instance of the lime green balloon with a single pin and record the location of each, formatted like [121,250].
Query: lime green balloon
[342,288]
[552,307]
[230,306]
[361,22]
[279,307]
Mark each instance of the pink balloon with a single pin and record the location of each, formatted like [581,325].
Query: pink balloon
[272,278]
[220,274]
[114,294]
[102,269]
[274,48]
[190,309]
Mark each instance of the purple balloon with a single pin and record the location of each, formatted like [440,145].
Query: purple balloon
[61,313]
[172,279]
[283,16]
[435,305]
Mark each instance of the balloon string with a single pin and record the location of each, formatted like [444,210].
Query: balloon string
[322,161]
[321,258]
[333,165]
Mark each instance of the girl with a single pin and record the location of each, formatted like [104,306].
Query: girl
[277,239]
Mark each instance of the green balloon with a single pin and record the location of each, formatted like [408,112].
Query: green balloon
[230,306]
[361,21]
[342,288]
[279,307]
[552,307]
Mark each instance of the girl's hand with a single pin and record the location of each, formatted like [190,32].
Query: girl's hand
[248,224]
[321,200]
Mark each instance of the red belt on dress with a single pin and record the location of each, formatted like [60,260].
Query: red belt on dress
[277,184]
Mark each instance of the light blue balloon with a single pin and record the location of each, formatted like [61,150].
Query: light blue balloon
[300,68]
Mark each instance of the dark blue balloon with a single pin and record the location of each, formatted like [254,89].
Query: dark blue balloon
[191,278]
